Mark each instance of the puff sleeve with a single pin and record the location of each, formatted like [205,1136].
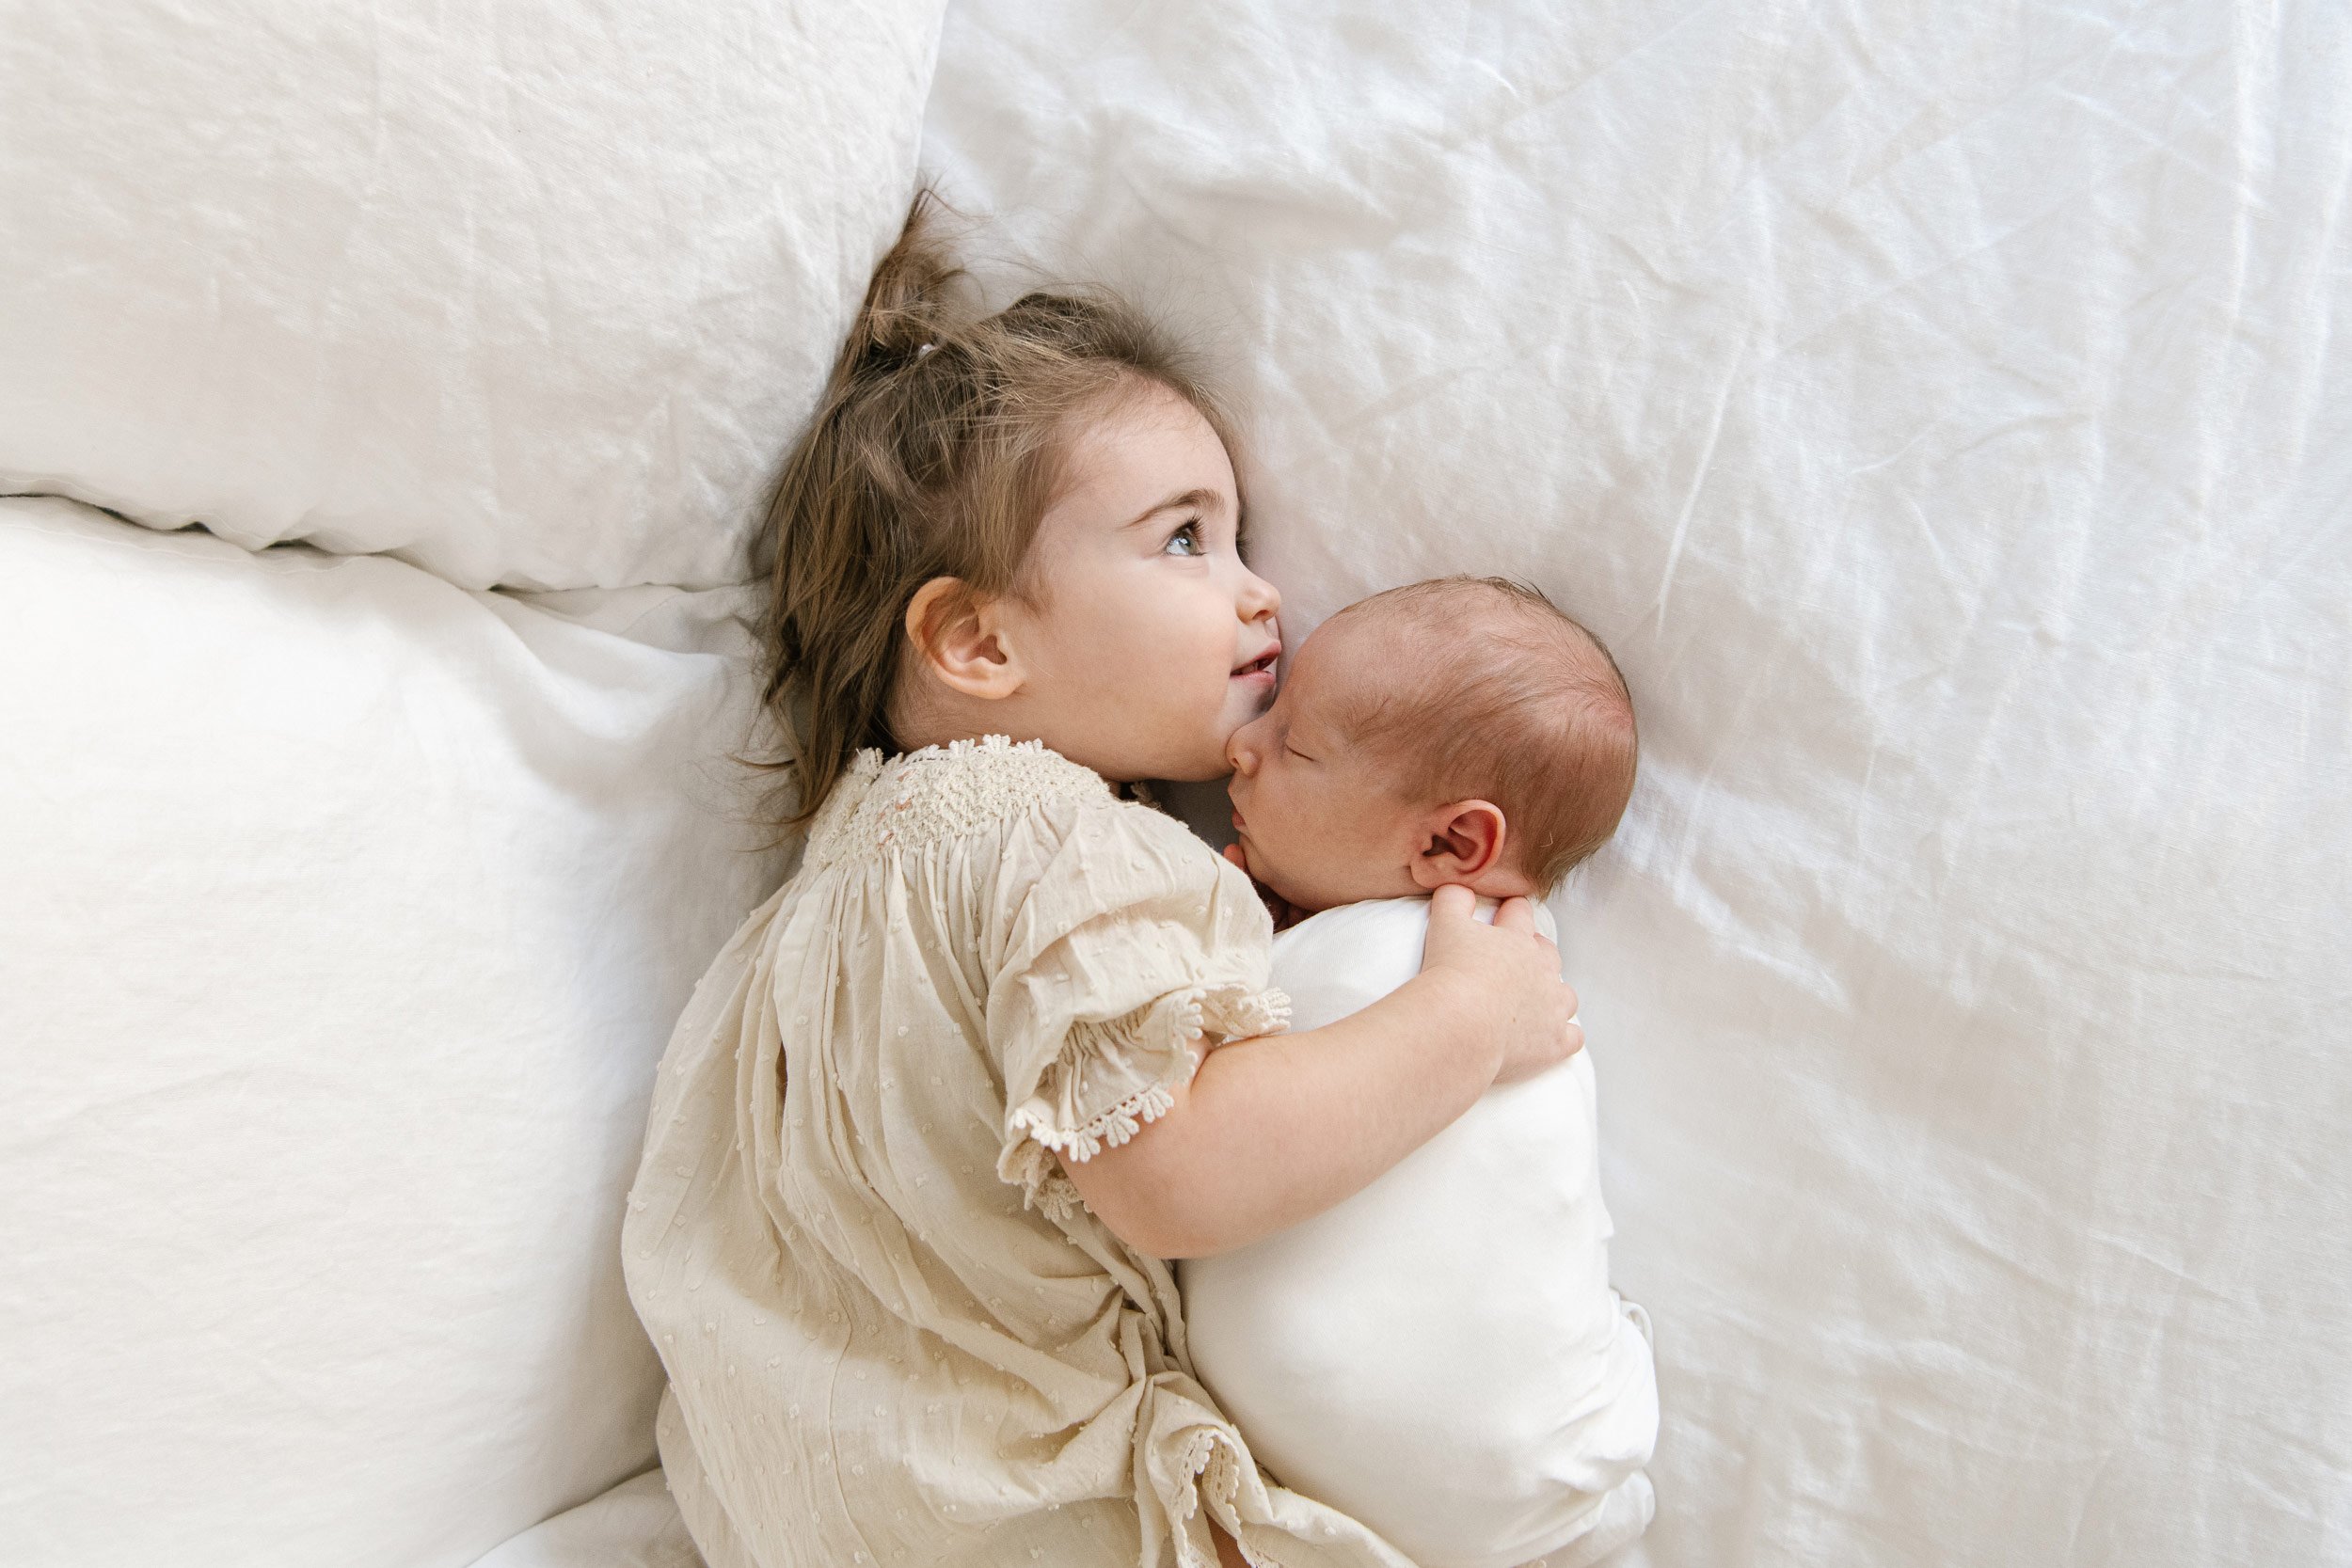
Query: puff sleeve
[1135,948]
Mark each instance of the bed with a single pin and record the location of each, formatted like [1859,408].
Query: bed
[1936,408]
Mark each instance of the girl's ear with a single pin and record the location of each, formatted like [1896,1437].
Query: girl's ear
[1458,842]
[958,637]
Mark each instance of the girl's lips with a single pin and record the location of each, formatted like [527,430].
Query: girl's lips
[1258,672]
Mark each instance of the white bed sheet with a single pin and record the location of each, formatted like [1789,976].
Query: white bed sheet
[1940,410]
[635,1525]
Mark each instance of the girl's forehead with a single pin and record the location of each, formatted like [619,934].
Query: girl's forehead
[1145,448]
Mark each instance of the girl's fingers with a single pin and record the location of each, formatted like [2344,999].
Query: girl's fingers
[1453,903]
[1232,853]
[1517,914]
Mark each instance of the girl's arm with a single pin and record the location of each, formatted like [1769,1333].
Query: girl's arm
[1274,1130]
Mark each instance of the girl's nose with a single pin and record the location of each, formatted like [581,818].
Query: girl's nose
[1260,599]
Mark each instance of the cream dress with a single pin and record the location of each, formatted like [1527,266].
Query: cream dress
[893,1333]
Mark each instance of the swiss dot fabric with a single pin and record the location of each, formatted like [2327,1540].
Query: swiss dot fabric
[893,1334]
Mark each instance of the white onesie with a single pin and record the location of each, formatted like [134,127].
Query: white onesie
[1440,1355]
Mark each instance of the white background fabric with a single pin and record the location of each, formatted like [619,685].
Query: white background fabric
[346,916]
[1940,410]
[635,1525]
[527,290]
[1938,407]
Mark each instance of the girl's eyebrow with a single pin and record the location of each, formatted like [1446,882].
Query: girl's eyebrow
[1203,500]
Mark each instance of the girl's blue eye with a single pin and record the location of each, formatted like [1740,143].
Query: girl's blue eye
[1189,537]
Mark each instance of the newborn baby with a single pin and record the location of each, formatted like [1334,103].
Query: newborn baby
[1440,1356]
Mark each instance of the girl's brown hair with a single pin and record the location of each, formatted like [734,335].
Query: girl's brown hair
[939,443]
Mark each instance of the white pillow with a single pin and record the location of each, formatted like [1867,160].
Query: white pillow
[530,293]
[346,916]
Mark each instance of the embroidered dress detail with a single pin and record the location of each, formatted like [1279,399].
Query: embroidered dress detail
[941,793]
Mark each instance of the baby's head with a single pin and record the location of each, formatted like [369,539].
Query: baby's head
[1460,730]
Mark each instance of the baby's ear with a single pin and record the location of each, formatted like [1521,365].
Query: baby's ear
[1460,841]
[957,640]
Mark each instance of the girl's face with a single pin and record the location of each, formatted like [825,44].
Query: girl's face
[1149,643]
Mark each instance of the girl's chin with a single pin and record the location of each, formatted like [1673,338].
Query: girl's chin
[1202,772]
[1196,763]
[1244,704]
[1205,759]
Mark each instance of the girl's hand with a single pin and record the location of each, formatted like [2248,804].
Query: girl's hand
[1508,972]
[1276,1129]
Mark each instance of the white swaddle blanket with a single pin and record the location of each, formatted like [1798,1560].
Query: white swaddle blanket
[1440,1355]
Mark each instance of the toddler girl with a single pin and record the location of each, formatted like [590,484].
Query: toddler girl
[938,1113]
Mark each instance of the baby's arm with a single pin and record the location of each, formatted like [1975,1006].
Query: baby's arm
[1274,1130]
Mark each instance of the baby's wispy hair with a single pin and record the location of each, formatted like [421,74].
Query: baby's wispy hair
[1492,692]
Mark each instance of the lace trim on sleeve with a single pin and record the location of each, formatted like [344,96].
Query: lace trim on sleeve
[1112,1127]
[1167,1030]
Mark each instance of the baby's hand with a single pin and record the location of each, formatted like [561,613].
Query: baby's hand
[1285,914]
[1510,971]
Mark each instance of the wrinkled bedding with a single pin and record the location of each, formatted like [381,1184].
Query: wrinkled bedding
[520,291]
[1940,412]
[1937,409]
[346,913]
